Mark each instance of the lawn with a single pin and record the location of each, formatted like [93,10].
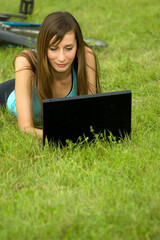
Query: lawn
[100,190]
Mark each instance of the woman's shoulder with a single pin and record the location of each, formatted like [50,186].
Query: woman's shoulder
[90,57]
[25,69]
[21,61]
[25,59]
[88,50]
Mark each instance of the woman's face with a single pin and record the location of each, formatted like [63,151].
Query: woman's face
[61,55]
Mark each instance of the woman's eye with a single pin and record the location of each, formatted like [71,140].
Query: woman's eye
[53,49]
[69,48]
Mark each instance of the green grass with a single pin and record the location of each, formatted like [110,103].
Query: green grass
[92,191]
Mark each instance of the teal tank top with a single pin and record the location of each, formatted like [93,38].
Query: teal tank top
[11,101]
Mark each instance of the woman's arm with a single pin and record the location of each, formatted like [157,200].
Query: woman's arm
[91,70]
[23,89]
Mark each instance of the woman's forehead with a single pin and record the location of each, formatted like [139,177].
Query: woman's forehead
[69,38]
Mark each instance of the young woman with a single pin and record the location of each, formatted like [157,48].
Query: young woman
[62,66]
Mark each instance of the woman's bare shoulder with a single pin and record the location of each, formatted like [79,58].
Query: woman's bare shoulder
[22,59]
[88,50]
[23,70]
[90,57]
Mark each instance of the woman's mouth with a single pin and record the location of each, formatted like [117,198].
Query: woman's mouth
[61,65]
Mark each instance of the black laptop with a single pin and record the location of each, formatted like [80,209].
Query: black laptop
[87,115]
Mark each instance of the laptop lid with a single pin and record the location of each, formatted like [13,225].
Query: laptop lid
[69,118]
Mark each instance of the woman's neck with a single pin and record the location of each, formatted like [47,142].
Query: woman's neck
[62,84]
[62,76]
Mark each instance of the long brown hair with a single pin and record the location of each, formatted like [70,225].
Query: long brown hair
[58,24]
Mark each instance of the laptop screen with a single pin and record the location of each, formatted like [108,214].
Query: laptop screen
[87,115]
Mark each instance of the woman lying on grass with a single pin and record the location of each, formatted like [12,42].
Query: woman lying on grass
[62,66]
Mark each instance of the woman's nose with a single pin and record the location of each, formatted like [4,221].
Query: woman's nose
[61,56]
